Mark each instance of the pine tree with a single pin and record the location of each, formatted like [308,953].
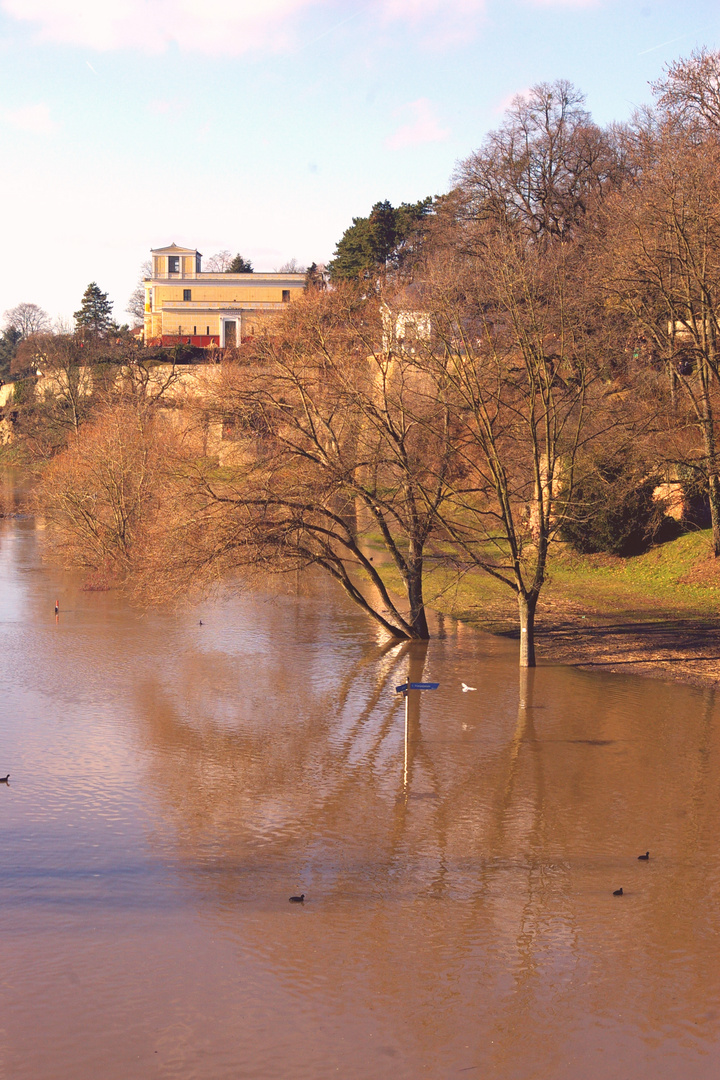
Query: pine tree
[314,280]
[240,266]
[8,347]
[95,314]
[380,241]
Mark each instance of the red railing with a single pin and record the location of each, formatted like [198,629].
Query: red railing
[201,341]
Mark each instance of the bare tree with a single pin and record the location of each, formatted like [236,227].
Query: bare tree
[508,352]
[99,494]
[54,392]
[135,306]
[663,271]
[329,459]
[292,266]
[689,91]
[543,167]
[220,263]
[27,319]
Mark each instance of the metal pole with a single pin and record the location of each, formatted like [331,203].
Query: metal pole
[407,718]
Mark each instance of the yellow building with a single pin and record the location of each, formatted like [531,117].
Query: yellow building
[184,304]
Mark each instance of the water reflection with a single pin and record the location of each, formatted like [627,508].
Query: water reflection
[515,832]
[177,783]
[416,652]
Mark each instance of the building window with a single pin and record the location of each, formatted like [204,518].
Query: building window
[173,264]
[194,331]
[186,294]
[207,331]
[197,263]
[286,296]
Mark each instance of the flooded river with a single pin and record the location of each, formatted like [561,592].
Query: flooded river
[172,784]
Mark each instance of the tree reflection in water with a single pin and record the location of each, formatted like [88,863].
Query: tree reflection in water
[458,878]
[173,785]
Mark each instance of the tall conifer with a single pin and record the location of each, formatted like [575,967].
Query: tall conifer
[95,314]
[240,266]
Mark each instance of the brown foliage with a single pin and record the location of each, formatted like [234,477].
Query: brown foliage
[564,305]
[544,168]
[328,456]
[101,494]
[689,92]
[661,267]
[508,353]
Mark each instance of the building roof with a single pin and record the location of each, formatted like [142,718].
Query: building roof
[174,249]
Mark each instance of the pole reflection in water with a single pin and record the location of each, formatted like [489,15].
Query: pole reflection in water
[172,786]
[416,652]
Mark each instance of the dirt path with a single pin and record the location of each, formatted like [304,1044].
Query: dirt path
[686,650]
[652,642]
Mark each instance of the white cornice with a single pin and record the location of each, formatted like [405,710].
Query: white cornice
[246,281]
[191,307]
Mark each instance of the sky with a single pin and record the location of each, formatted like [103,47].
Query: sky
[264,126]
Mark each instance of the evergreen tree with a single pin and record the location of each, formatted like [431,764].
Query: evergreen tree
[95,314]
[240,266]
[314,280]
[354,256]
[380,241]
[614,509]
[8,347]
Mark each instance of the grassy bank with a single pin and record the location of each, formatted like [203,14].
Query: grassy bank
[679,578]
[656,614]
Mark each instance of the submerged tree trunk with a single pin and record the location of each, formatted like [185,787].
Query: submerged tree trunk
[417,619]
[526,606]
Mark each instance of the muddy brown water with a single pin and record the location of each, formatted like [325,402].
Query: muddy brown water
[171,785]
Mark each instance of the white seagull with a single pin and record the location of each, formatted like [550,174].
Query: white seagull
[465,687]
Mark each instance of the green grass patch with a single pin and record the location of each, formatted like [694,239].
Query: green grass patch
[680,578]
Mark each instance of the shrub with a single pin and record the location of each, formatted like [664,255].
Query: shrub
[695,496]
[613,510]
[23,391]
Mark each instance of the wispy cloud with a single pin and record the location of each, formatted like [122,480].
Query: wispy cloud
[504,104]
[334,26]
[172,108]
[424,127]
[567,3]
[33,118]
[218,27]
[672,41]
[438,23]
[420,10]
[209,26]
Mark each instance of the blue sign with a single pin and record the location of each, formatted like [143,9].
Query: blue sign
[416,686]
